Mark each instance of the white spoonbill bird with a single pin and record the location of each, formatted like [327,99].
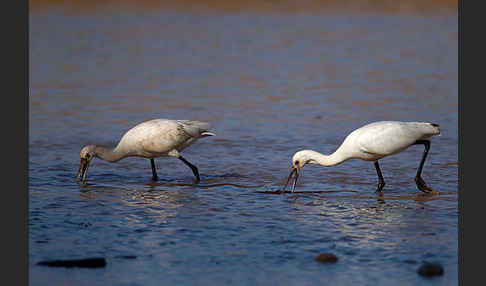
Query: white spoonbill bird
[371,143]
[149,139]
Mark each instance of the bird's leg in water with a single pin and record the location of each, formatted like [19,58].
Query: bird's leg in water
[193,168]
[154,171]
[381,181]
[418,179]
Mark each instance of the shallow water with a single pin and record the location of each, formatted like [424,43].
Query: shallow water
[270,84]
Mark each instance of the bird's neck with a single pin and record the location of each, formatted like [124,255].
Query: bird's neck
[109,154]
[328,160]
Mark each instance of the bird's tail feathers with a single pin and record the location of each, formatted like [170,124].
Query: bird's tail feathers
[206,134]
[436,128]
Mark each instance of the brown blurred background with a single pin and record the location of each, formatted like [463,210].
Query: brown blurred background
[315,6]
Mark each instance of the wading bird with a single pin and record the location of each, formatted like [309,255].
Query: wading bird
[150,139]
[371,143]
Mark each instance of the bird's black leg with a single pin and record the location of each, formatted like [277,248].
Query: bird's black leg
[193,168]
[154,171]
[381,181]
[418,179]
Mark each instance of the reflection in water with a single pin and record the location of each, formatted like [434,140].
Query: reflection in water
[163,204]
[203,186]
[159,200]
[155,202]
[362,225]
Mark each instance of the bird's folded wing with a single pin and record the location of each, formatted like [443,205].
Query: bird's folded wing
[385,140]
[162,137]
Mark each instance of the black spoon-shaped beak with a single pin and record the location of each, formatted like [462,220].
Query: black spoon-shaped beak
[295,180]
[83,170]
[293,171]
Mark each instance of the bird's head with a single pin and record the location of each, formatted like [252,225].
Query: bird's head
[87,154]
[299,160]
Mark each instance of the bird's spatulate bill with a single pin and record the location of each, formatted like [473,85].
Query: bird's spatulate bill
[292,172]
[83,170]
[295,180]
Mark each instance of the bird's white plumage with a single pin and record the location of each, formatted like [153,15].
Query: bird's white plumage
[378,139]
[158,137]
